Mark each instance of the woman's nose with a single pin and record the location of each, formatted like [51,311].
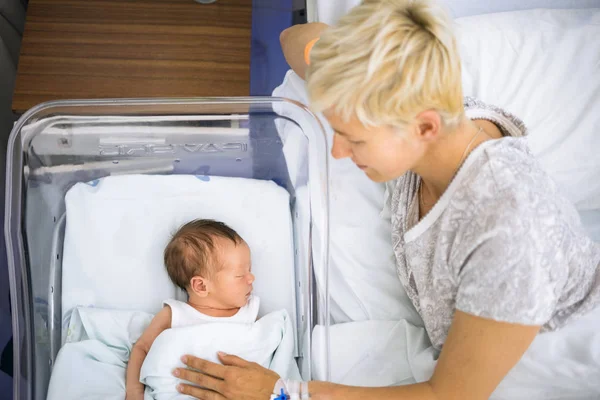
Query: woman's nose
[340,148]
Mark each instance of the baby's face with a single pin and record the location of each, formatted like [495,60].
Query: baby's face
[232,285]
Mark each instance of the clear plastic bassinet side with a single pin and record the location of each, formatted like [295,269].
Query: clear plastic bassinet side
[58,144]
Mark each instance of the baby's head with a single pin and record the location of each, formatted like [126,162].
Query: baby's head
[211,262]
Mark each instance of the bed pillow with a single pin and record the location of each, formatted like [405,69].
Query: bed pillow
[544,66]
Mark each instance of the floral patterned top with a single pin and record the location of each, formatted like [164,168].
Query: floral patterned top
[501,243]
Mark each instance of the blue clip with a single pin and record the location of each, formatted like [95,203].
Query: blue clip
[282,396]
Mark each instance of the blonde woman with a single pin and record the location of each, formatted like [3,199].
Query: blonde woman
[490,253]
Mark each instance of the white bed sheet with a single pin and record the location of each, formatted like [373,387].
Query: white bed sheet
[383,353]
[562,365]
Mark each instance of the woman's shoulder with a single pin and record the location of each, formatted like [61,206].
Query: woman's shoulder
[510,125]
[502,167]
[509,164]
[506,183]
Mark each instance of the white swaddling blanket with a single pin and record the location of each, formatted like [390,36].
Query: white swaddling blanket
[93,361]
[268,342]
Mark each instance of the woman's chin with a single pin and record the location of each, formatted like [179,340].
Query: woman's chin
[374,175]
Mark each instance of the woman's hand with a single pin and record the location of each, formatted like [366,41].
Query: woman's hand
[236,379]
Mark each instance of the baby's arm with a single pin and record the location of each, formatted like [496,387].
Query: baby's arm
[161,321]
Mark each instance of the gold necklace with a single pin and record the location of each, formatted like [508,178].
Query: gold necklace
[462,159]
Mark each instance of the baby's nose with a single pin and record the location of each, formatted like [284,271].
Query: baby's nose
[251,278]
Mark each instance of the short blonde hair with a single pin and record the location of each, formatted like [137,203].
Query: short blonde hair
[385,62]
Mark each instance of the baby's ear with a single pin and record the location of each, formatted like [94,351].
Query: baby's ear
[199,285]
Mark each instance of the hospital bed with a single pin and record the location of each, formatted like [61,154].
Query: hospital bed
[107,166]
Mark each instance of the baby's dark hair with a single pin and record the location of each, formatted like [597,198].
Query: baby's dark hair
[191,250]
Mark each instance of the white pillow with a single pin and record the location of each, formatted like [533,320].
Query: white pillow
[117,229]
[543,66]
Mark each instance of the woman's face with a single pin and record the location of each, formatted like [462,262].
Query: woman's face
[382,152]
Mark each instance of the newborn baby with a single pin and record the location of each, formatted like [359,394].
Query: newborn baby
[211,262]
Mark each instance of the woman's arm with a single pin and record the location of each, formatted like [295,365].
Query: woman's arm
[293,42]
[161,321]
[477,355]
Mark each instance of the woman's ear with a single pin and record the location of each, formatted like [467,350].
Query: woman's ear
[429,125]
[199,285]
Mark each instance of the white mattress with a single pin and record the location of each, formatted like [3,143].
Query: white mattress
[118,227]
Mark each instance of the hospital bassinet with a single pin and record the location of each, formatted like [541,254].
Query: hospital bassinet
[57,145]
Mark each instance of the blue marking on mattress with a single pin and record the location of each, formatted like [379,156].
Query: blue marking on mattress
[203,178]
[93,183]
[202,173]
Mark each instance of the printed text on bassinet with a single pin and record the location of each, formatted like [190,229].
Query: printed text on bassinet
[131,149]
